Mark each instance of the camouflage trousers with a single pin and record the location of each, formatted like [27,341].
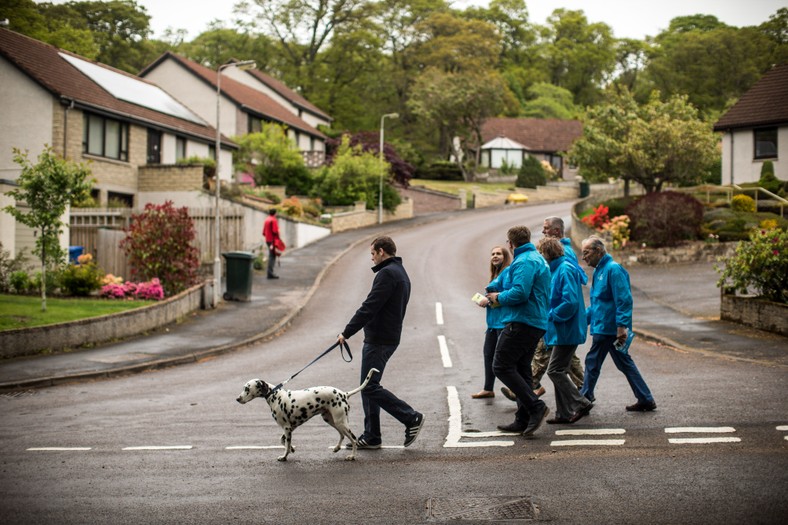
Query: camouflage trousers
[542,359]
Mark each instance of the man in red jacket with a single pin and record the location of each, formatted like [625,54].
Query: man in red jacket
[271,234]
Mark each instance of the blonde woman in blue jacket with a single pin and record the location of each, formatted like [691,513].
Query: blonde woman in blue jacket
[500,259]
[566,329]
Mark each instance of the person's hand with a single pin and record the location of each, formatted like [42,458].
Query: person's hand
[621,334]
[483,302]
[341,339]
[492,297]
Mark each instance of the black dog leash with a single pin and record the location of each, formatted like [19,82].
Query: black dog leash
[342,347]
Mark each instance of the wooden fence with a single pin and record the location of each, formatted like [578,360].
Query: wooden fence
[99,231]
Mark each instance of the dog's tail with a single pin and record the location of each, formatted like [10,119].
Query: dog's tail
[363,385]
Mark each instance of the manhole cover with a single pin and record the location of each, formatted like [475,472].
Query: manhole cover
[510,508]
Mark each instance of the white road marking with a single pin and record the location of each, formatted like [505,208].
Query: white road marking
[445,357]
[494,433]
[590,432]
[699,430]
[439,313]
[171,447]
[587,442]
[254,447]
[57,449]
[455,425]
[783,428]
[689,441]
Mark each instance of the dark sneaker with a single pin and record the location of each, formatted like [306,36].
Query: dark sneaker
[412,430]
[642,406]
[508,394]
[577,416]
[535,422]
[517,427]
[363,444]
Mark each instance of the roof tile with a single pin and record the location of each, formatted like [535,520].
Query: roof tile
[765,103]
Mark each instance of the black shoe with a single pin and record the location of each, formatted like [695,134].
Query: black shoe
[642,406]
[535,422]
[412,430]
[363,444]
[581,413]
[273,277]
[516,427]
[508,394]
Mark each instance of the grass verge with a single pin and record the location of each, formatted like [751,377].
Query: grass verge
[24,311]
[453,187]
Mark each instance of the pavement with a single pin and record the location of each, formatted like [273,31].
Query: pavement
[676,305]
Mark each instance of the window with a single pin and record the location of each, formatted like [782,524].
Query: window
[212,151]
[765,143]
[180,148]
[105,137]
[255,124]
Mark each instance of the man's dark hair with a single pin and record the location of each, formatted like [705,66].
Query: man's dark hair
[272,211]
[386,244]
[519,235]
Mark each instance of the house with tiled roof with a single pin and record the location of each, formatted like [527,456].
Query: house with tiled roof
[755,130]
[129,131]
[243,108]
[545,139]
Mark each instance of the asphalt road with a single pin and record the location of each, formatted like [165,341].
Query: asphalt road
[219,463]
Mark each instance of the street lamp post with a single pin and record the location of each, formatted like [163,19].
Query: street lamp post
[217,260]
[382,168]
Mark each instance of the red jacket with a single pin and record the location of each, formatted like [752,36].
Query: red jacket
[270,229]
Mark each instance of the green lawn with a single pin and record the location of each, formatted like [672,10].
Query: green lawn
[454,186]
[24,311]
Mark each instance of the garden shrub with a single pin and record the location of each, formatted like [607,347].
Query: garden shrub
[768,180]
[760,263]
[81,279]
[665,218]
[531,174]
[8,266]
[159,244]
[292,207]
[598,218]
[442,170]
[743,203]
[20,282]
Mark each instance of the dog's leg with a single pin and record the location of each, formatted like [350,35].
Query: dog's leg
[287,438]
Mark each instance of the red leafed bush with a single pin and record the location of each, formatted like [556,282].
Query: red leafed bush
[665,218]
[159,243]
[598,218]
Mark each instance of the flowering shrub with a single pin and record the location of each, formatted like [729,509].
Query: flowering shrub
[598,218]
[115,288]
[665,218]
[160,244]
[618,229]
[760,263]
[80,279]
[743,203]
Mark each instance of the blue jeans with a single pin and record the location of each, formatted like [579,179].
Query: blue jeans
[374,396]
[601,345]
[490,341]
[512,365]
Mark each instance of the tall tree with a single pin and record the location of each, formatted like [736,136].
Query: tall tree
[549,101]
[654,144]
[218,45]
[457,105]
[303,28]
[578,56]
[713,66]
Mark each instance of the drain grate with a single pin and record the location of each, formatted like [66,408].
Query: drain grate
[482,509]
[16,393]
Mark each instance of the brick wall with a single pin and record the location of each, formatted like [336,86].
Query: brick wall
[170,178]
[755,312]
[430,201]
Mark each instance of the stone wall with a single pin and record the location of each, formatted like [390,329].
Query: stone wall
[360,217]
[755,312]
[431,201]
[541,194]
[62,336]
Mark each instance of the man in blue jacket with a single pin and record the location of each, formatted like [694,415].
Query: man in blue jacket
[381,316]
[609,318]
[523,295]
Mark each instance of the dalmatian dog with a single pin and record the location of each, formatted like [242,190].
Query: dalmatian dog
[292,408]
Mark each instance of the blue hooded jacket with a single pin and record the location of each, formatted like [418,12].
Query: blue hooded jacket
[525,289]
[571,256]
[495,314]
[567,315]
[611,298]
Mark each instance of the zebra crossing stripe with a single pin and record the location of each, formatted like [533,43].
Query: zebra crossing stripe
[699,430]
[587,442]
[58,449]
[690,441]
[172,447]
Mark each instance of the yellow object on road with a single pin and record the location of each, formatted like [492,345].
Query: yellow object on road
[516,198]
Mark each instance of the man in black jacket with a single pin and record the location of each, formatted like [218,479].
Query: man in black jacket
[381,316]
